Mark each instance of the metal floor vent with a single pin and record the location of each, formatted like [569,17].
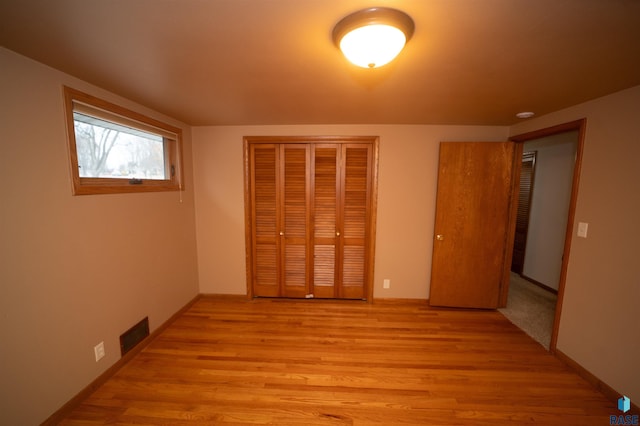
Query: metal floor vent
[134,335]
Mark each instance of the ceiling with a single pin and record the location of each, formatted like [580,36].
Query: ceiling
[250,62]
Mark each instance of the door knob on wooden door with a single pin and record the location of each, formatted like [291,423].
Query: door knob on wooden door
[337,234]
[439,237]
[282,233]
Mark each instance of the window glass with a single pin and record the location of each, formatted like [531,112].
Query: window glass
[109,150]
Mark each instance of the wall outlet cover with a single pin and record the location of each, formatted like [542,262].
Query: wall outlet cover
[98,350]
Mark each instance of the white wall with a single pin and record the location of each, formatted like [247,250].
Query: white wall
[74,270]
[599,327]
[555,159]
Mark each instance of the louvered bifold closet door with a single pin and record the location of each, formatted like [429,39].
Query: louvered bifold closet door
[325,197]
[527,175]
[264,201]
[355,215]
[309,209]
[296,216]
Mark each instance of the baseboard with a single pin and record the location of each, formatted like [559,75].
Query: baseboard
[394,301]
[601,386]
[379,300]
[67,408]
[539,284]
[225,296]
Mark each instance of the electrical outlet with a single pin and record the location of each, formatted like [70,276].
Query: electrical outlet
[386,283]
[98,350]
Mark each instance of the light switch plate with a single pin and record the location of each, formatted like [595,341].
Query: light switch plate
[582,229]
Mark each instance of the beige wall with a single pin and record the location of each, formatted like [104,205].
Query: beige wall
[406,200]
[74,271]
[599,327]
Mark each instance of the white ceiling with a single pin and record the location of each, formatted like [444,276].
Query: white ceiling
[241,62]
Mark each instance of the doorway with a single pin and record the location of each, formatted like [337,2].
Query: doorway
[547,265]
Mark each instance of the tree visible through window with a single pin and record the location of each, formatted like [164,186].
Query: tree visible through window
[105,151]
[116,150]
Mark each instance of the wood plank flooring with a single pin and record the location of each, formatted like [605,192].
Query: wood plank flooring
[312,362]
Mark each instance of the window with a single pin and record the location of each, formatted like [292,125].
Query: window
[114,150]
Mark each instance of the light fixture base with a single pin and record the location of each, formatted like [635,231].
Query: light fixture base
[374,16]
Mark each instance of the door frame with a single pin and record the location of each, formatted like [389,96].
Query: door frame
[519,140]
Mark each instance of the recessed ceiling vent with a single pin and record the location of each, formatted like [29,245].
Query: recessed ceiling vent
[134,335]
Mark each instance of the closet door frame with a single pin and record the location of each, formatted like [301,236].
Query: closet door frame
[248,141]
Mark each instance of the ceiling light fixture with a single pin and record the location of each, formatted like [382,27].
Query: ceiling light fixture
[525,114]
[371,38]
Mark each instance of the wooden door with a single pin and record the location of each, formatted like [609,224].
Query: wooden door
[310,216]
[342,214]
[281,219]
[326,188]
[471,238]
[355,213]
[294,215]
[265,229]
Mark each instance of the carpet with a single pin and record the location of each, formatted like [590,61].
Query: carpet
[530,308]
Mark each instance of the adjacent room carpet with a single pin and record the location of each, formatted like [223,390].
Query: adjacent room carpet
[531,308]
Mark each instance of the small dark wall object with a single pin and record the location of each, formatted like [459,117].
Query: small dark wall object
[134,335]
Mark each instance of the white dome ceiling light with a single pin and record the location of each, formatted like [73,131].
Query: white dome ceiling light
[371,38]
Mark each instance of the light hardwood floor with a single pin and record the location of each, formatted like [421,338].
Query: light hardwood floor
[312,362]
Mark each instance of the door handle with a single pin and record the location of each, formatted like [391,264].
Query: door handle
[282,233]
[439,237]
[337,234]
